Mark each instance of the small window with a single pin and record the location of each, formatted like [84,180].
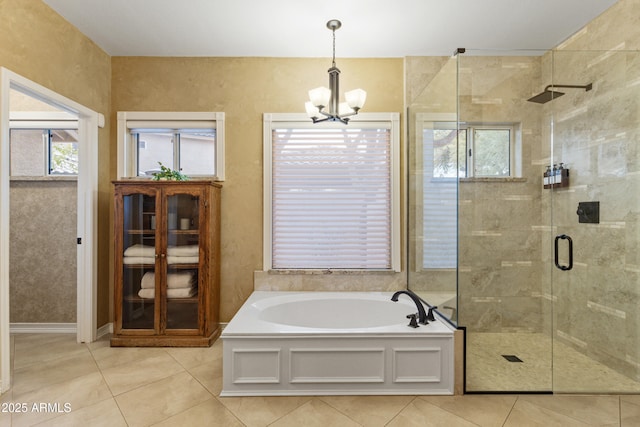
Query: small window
[448,148]
[153,148]
[190,142]
[193,153]
[490,151]
[63,152]
[472,150]
[41,152]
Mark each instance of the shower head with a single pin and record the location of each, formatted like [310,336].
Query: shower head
[550,93]
[546,96]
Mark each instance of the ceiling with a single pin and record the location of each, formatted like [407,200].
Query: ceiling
[296,28]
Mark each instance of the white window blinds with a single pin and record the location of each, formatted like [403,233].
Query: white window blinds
[331,198]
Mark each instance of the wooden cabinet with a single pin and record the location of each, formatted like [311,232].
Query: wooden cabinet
[167,263]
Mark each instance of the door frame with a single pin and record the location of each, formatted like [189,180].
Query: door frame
[87,276]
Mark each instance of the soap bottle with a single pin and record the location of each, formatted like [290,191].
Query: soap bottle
[546,175]
[559,175]
[552,175]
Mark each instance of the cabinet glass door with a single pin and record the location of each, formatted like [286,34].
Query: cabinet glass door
[182,261]
[139,259]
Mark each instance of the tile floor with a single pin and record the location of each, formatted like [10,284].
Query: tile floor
[106,386]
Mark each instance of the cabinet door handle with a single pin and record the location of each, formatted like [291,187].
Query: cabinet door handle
[563,267]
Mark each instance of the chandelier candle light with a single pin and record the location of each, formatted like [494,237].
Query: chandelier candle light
[322,98]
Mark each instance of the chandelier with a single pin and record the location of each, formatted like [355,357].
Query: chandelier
[324,104]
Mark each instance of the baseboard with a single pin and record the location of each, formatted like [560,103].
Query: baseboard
[42,328]
[103,330]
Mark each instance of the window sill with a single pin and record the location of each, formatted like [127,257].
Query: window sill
[71,178]
[310,272]
[491,179]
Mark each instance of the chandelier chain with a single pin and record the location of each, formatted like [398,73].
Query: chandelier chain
[334,48]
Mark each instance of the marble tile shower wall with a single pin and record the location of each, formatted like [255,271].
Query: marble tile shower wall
[597,133]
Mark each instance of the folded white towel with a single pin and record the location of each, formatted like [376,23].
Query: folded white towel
[140,250]
[183,259]
[179,280]
[139,260]
[148,280]
[171,293]
[186,250]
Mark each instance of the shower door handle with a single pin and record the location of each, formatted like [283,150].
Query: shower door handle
[564,267]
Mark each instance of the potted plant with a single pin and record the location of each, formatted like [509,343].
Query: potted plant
[167,174]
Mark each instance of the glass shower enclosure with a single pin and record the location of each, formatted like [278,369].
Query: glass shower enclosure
[524,210]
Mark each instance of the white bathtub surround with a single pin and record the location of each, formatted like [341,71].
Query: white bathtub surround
[334,343]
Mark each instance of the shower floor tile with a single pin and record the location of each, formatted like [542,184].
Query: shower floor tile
[488,370]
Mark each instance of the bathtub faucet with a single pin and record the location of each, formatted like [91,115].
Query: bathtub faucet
[422,315]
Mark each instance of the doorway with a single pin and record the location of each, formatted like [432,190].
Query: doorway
[88,123]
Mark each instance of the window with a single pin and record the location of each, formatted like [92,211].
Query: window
[482,151]
[332,193]
[191,151]
[63,151]
[489,150]
[451,151]
[190,142]
[42,152]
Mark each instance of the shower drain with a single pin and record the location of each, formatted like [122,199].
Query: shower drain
[512,358]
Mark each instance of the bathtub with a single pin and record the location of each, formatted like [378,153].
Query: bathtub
[334,343]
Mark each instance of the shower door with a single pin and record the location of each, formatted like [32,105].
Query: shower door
[595,216]
[504,270]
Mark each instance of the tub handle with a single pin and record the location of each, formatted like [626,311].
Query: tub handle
[413,322]
[557,262]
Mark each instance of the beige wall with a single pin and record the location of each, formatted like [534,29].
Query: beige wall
[40,45]
[244,89]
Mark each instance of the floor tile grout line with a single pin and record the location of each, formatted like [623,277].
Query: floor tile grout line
[401,410]
[113,397]
[511,410]
[48,385]
[229,410]
[321,398]
[310,398]
[619,411]
[447,410]
[62,382]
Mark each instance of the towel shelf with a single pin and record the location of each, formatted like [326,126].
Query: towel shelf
[169,266]
[152,232]
[137,299]
[170,229]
